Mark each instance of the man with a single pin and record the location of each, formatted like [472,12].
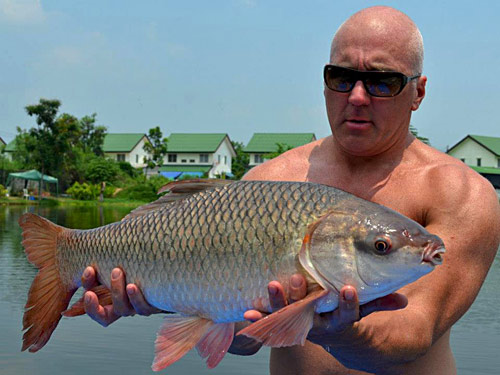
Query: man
[372,154]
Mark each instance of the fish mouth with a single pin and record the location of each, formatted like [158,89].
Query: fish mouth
[432,253]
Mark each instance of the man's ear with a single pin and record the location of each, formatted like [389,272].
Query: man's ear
[420,89]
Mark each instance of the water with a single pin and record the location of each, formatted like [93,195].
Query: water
[81,346]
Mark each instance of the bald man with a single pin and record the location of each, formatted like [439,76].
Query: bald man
[372,154]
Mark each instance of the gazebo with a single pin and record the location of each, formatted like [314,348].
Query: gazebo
[34,175]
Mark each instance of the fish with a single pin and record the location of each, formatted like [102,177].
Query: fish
[207,249]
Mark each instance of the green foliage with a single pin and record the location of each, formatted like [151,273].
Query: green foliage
[144,190]
[280,148]
[85,192]
[157,149]
[126,168]
[101,169]
[59,145]
[92,137]
[3,191]
[414,131]
[239,165]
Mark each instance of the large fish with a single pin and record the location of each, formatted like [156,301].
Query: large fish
[207,250]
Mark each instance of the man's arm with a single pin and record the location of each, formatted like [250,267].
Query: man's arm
[467,217]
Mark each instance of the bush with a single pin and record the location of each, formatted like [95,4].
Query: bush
[84,192]
[145,190]
[3,191]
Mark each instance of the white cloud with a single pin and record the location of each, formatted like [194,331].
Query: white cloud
[22,11]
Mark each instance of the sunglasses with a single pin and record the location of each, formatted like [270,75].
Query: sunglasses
[377,83]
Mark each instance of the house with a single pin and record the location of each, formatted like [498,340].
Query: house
[2,142]
[265,143]
[126,147]
[9,149]
[197,154]
[482,154]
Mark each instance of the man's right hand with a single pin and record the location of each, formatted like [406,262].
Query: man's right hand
[127,298]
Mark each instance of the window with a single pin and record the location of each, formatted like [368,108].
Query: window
[463,160]
[120,157]
[225,160]
[172,158]
[203,158]
[183,161]
[478,162]
[498,165]
[191,160]
[137,159]
[258,159]
[218,158]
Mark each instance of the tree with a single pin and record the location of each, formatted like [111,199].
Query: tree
[156,148]
[414,131]
[239,164]
[92,136]
[280,148]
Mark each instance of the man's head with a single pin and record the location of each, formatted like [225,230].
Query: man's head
[381,39]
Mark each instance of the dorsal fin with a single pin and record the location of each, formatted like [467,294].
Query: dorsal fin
[176,191]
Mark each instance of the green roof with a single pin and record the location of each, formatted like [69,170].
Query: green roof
[194,142]
[266,142]
[490,143]
[486,170]
[2,141]
[185,168]
[121,142]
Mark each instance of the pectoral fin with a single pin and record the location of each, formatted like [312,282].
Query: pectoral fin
[288,326]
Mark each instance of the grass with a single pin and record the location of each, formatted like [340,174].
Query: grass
[53,201]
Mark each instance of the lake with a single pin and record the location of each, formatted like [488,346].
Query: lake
[81,346]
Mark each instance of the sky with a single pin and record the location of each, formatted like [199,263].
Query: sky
[233,66]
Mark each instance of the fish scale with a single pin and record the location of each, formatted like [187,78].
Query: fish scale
[209,248]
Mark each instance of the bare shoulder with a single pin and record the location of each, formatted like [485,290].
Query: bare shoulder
[450,182]
[292,165]
[460,203]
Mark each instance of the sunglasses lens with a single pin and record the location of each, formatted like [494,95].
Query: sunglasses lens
[339,79]
[386,85]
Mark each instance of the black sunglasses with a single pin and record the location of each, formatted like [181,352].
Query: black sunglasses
[376,83]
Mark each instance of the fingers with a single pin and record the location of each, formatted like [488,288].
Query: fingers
[253,315]
[102,315]
[138,301]
[298,288]
[121,303]
[348,307]
[277,297]
[393,301]
[89,279]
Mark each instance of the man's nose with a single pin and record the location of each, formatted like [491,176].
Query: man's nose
[358,96]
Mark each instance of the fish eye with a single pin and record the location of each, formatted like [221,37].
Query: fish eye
[382,245]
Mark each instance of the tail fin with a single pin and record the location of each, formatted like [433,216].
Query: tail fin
[49,295]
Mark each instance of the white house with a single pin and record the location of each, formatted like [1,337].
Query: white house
[482,154]
[197,154]
[126,147]
[478,150]
[266,143]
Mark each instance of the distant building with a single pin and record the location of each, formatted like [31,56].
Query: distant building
[197,154]
[2,142]
[265,143]
[126,147]
[9,149]
[482,154]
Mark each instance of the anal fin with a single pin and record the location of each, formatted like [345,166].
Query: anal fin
[215,343]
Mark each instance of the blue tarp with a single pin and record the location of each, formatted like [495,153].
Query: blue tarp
[171,175]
